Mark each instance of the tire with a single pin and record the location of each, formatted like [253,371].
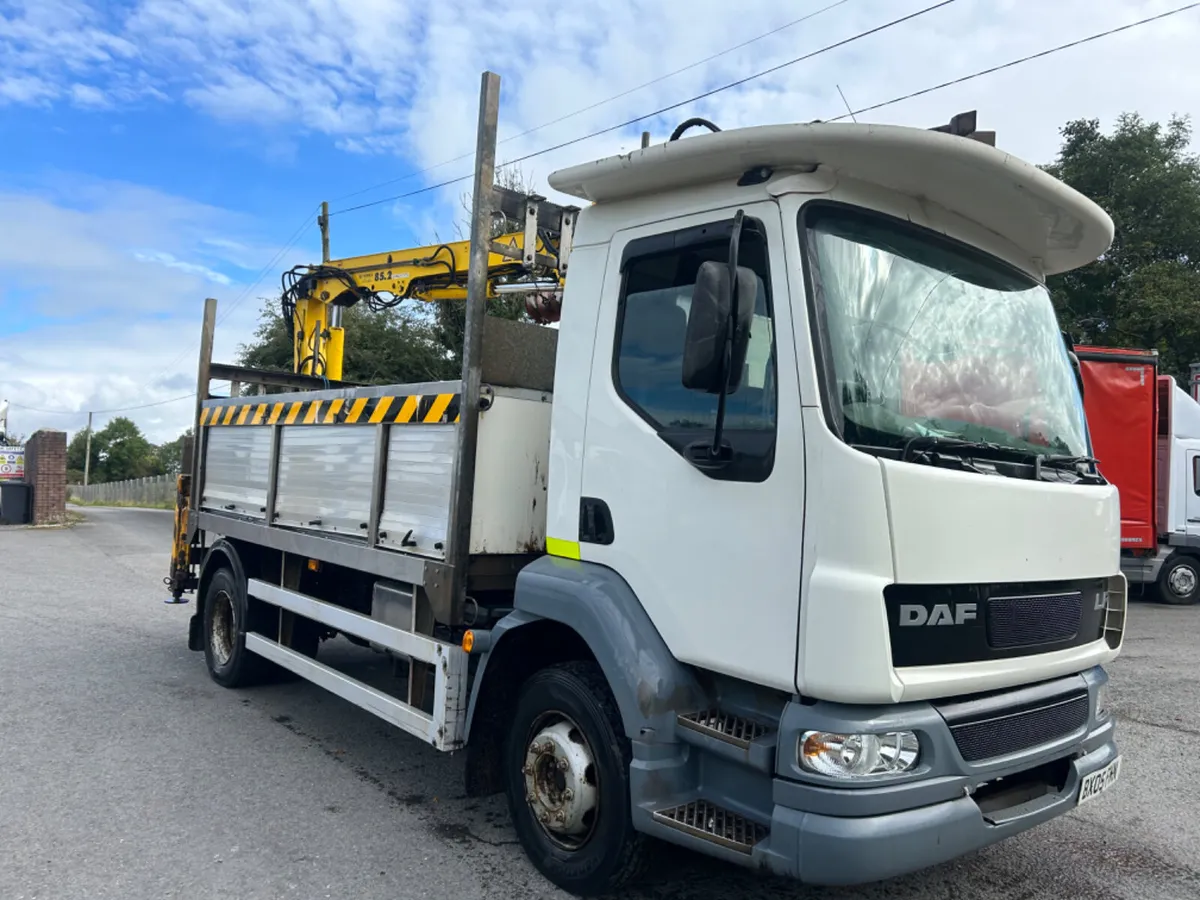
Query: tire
[229,663]
[572,707]
[1179,581]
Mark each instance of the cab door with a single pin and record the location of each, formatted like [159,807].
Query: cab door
[1191,495]
[713,556]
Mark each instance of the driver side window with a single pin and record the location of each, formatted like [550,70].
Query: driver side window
[659,275]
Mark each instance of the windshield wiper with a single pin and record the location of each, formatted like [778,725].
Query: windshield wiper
[1077,465]
[1060,462]
[935,442]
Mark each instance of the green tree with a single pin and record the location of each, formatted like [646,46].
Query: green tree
[389,347]
[124,451]
[1145,291]
[450,317]
[170,454]
[76,453]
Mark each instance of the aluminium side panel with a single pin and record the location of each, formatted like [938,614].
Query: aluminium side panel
[509,510]
[325,478]
[237,466]
[416,502]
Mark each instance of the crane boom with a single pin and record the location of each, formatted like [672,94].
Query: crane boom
[531,260]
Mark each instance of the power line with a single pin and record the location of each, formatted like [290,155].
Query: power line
[666,109]
[604,102]
[686,68]
[79,412]
[292,241]
[295,237]
[424,190]
[1015,62]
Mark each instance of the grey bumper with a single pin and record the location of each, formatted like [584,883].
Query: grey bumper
[1144,570]
[828,850]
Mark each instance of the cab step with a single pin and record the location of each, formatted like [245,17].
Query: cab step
[729,727]
[711,823]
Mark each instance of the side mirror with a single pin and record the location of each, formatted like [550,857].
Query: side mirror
[704,345]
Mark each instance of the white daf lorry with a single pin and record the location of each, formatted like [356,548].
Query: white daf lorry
[786,546]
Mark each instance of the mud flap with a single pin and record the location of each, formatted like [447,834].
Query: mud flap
[196,632]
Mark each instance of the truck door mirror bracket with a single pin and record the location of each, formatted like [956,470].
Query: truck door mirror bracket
[718,333]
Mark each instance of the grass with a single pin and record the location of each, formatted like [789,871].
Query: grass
[123,504]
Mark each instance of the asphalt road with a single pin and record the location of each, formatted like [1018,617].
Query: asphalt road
[126,773]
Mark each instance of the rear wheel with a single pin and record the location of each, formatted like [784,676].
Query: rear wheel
[1179,581]
[226,613]
[567,779]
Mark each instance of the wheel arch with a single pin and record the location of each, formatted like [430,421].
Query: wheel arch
[223,553]
[565,610]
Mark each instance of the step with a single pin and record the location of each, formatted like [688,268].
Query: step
[711,823]
[731,728]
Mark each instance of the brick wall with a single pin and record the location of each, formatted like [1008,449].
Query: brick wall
[46,471]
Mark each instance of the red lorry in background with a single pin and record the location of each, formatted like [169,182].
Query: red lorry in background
[1145,432]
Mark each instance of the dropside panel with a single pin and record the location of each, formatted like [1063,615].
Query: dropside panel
[416,499]
[325,478]
[237,469]
[509,511]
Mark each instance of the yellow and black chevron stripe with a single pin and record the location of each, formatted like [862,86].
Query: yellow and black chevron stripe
[414,409]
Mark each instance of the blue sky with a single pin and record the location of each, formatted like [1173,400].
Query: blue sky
[154,152]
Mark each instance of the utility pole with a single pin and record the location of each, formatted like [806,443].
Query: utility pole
[334,312]
[323,223]
[87,453]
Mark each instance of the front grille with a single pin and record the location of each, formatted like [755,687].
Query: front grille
[1032,620]
[1013,732]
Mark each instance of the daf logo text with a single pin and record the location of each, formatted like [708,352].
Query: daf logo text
[941,614]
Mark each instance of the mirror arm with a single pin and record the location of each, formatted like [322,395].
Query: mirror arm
[735,240]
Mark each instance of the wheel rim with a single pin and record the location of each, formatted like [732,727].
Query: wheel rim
[221,636]
[1182,581]
[561,781]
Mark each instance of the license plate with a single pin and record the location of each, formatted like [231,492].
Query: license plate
[1098,782]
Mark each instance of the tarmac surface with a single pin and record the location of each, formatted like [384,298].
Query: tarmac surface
[125,772]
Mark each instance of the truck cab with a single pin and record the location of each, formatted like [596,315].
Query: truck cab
[881,573]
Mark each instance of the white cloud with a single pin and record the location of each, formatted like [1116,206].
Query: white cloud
[26,90]
[87,95]
[102,293]
[166,259]
[398,77]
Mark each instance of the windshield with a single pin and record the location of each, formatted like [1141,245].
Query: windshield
[925,339]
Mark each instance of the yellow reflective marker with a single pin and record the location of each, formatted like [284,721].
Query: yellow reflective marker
[565,549]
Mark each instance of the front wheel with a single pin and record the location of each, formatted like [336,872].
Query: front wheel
[1179,581]
[567,779]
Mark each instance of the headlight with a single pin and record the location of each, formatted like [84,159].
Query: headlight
[1102,702]
[858,755]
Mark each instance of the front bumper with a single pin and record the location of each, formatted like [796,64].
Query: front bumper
[1144,569]
[824,832]
[829,850]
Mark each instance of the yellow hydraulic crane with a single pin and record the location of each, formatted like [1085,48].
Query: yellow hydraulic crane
[529,260]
